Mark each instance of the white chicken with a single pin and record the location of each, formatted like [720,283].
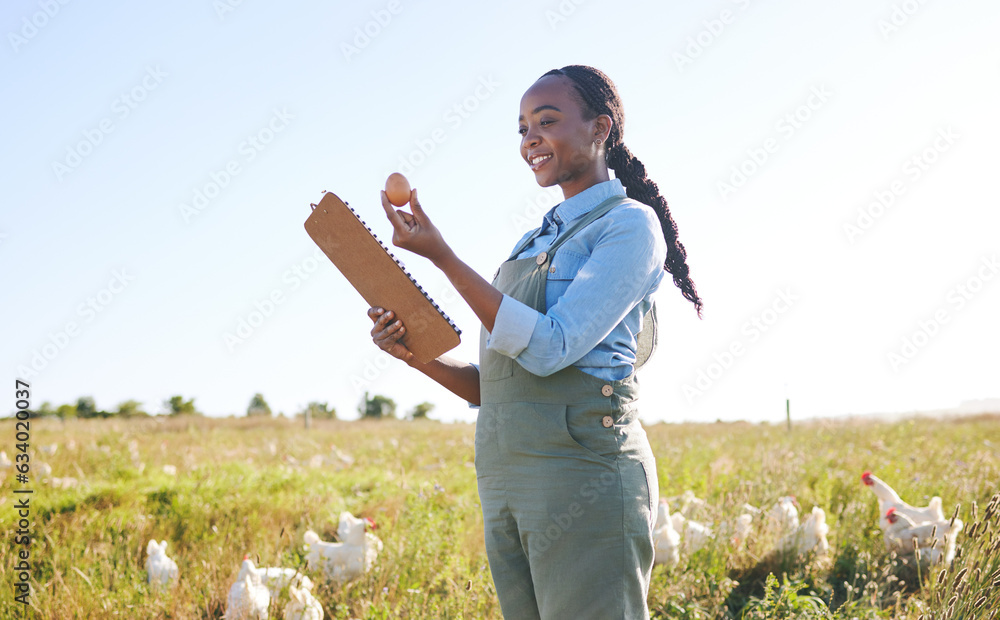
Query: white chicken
[694,535]
[160,570]
[784,517]
[666,540]
[44,470]
[687,503]
[303,606]
[5,462]
[345,560]
[277,579]
[741,527]
[810,537]
[248,597]
[888,498]
[738,530]
[68,482]
[902,530]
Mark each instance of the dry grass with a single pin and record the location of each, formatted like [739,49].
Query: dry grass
[255,485]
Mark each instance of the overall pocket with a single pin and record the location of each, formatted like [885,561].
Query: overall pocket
[585,427]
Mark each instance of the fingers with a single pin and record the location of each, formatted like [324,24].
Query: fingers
[380,317]
[387,333]
[407,218]
[385,327]
[390,212]
[418,211]
[386,338]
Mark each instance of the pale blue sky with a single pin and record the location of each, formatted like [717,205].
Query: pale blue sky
[201,82]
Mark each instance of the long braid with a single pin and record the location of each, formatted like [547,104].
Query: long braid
[598,95]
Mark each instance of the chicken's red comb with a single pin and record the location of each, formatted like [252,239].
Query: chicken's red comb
[246,556]
[890,512]
[371,523]
[865,476]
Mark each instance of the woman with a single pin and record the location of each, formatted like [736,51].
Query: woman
[566,476]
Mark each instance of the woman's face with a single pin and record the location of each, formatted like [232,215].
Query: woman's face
[556,141]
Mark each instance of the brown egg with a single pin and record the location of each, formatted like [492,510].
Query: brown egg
[397,189]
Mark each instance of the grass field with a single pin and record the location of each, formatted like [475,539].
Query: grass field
[254,486]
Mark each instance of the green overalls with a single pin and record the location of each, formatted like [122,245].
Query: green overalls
[566,476]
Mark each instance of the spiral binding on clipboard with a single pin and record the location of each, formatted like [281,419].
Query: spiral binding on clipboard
[402,267]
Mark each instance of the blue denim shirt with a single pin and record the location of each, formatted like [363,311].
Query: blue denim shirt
[601,285]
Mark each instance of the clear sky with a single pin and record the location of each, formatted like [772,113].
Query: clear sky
[831,167]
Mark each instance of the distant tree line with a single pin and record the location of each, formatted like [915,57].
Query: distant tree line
[378,407]
[85,408]
[374,407]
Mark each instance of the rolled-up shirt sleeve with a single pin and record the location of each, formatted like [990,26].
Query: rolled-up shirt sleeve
[625,264]
[512,327]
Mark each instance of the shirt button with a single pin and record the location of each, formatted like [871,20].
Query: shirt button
[608,422]
[552,269]
[607,390]
[541,258]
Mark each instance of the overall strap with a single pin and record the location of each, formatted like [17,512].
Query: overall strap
[587,219]
[592,215]
[524,243]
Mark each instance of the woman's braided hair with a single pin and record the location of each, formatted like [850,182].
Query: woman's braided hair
[598,95]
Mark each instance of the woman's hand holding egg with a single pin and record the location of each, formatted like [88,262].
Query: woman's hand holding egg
[413,232]
[397,189]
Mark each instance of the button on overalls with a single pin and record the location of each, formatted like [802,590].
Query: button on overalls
[566,476]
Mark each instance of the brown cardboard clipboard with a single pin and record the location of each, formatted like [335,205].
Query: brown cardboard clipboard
[381,279]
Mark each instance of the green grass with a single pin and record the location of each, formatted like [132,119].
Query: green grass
[245,486]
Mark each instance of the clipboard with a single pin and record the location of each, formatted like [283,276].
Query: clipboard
[380,277]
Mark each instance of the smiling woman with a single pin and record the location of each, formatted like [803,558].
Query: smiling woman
[566,476]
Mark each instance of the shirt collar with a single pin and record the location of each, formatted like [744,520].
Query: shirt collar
[582,203]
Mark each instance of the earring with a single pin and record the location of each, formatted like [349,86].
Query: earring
[598,142]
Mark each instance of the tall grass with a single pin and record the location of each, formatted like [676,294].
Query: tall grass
[254,486]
